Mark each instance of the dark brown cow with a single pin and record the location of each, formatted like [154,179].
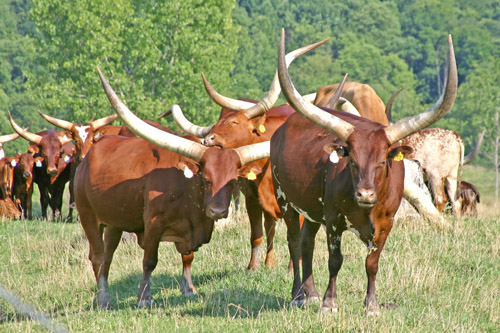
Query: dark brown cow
[129,184]
[244,122]
[469,197]
[22,190]
[358,188]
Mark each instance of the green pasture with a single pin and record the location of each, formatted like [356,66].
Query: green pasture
[441,280]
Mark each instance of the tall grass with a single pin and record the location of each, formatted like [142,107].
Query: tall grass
[440,281]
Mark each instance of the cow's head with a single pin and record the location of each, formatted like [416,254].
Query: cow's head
[369,146]
[25,165]
[50,143]
[246,121]
[83,135]
[218,168]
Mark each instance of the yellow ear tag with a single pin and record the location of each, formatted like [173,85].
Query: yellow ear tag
[262,128]
[398,157]
[251,176]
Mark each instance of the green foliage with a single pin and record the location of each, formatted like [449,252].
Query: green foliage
[151,52]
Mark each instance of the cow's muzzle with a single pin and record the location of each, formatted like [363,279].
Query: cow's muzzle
[216,213]
[366,198]
[52,172]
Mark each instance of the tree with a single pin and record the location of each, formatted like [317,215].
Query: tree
[152,53]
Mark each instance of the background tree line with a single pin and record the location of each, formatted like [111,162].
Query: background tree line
[154,51]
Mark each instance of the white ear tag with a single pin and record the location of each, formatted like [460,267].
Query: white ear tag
[188,173]
[334,157]
[67,159]
[13,163]
[38,164]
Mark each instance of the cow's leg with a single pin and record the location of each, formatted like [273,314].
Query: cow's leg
[44,201]
[29,208]
[375,246]
[187,286]
[69,218]
[437,188]
[254,211]
[270,226]
[309,231]
[151,242]
[335,260]
[293,236]
[451,184]
[96,255]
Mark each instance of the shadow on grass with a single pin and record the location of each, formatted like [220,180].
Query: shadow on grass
[239,301]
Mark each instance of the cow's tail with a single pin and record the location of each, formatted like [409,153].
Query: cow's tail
[460,168]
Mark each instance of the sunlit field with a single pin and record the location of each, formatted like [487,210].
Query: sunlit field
[440,280]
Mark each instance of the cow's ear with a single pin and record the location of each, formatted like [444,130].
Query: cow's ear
[335,151]
[38,161]
[250,171]
[400,152]
[259,125]
[34,149]
[98,134]
[189,168]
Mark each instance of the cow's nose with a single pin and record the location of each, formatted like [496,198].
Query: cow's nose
[27,175]
[216,213]
[52,172]
[366,197]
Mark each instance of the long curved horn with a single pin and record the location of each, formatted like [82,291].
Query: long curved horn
[225,102]
[31,137]
[103,121]
[254,110]
[388,106]
[8,137]
[310,97]
[254,152]
[150,133]
[336,95]
[188,126]
[347,106]
[337,126]
[409,125]
[472,155]
[274,91]
[57,122]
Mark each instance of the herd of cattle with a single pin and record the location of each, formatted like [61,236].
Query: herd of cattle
[332,158]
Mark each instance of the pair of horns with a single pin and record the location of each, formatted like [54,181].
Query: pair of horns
[343,129]
[67,125]
[251,110]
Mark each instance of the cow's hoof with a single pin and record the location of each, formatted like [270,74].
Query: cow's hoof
[297,302]
[313,300]
[146,303]
[327,310]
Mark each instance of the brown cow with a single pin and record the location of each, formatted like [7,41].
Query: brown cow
[358,188]
[244,122]
[8,209]
[7,165]
[22,190]
[469,197]
[130,184]
[49,145]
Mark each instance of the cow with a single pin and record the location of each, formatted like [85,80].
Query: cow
[469,198]
[7,165]
[8,209]
[49,145]
[136,185]
[346,173]
[22,190]
[242,123]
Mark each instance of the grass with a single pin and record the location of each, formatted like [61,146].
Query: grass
[440,280]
